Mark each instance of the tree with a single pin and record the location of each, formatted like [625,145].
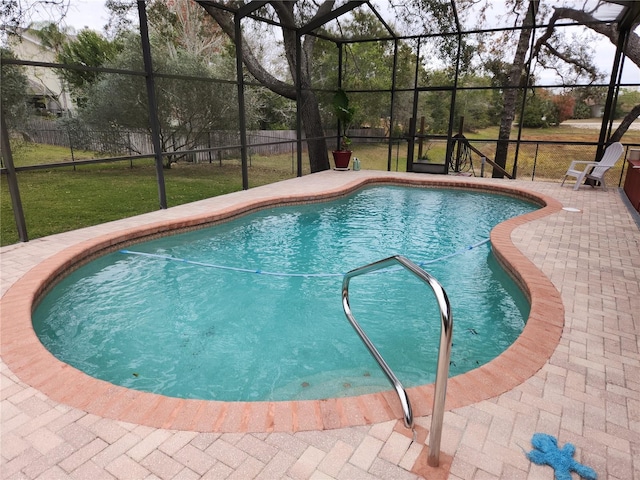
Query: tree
[565,104]
[51,35]
[185,42]
[13,91]
[290,15]
[627,99]
[367,65]
[187,109]
[585,97]
[609,30]
[403,105]
[512,88]
[436,105]
[475,106]
[570,59]
[539,110]
[185,26]
[89,49]
[272,112]
[15,13]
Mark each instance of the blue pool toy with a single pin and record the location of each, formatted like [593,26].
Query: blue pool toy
[546,452]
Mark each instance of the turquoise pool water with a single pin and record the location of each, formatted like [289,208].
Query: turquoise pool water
[251,309]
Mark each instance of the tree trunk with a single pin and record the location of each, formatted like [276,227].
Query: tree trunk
[511,93]
[309,106]
[625,124]
[316,143]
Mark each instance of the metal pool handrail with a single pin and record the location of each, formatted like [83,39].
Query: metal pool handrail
[444,351]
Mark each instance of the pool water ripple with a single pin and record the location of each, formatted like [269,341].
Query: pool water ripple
[234,335]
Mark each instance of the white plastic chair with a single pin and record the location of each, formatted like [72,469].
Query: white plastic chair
[595,170]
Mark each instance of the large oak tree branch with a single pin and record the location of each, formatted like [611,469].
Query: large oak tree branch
[609,30]
[632,50]
[284,10]
[591,70]
[309,107]
[225,20]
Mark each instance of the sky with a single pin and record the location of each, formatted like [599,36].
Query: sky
[93,14]
[90,13]
[87,13]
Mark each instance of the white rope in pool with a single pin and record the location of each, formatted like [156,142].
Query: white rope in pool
[282,274]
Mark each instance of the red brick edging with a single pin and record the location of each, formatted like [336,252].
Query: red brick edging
[33,364]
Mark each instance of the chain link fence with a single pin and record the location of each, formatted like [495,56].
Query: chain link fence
[545,161]
[527,160]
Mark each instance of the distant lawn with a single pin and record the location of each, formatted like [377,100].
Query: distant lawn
[27,154]
[63,199]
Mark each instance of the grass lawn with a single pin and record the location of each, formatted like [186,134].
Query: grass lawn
[63,199]
[26,154]
[68,198]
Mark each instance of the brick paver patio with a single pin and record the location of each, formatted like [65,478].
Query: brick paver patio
[586,393]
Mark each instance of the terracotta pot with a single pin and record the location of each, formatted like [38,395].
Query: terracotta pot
[341,158]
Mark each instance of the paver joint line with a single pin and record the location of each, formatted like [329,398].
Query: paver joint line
[573,377]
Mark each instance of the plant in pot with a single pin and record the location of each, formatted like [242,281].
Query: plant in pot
[344,114]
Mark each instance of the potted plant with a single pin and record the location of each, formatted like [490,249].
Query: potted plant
[345,114]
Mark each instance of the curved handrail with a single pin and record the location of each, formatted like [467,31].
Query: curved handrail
[444,351]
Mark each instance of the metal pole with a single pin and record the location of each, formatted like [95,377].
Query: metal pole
[421,140]
[153,107]
[452,108]
[607,118]
[299,104]
[412,121]
[458,146]
[442,371]
[391,113]
[535,161]
[129,149]
[241,118]
[73,158]
[340,60]
[514,172]
[12,180]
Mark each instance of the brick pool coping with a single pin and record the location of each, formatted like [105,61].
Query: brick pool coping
[35,365]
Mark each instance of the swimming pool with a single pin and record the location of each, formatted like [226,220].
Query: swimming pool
[270,241]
